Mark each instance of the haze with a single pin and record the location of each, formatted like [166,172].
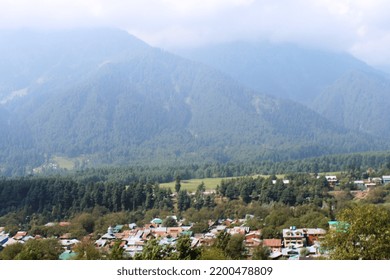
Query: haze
[360,27]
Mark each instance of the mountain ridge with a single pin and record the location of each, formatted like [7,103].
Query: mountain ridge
[135,103]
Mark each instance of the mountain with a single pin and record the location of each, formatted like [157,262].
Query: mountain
[358,100]
[105,95]
[283,70]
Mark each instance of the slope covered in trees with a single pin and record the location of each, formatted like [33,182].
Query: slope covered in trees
[359,101]
[283,70]
[110,97]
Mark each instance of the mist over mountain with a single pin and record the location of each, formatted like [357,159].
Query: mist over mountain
[283,70]
[105,95]
[338,86]
[358,100]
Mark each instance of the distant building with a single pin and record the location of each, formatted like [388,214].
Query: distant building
[297,238]
[156,222]
[332,180]
[285,182]
[313,235]
[386,179]
[275,245]
[293,237]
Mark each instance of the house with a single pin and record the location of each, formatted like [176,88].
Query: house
[20,235]
[11,241]
[370,185]
[293,237]
[156,222]
[359,184]
[332,180]
[67,255]
[274,244]
[252,240]
[251,236]
[314,235]
[174,231]
[69,243]
[132,226]
[3,239]
[159,232]
[285,182]
[385,179]
[109,235]
[117,228]
[376,180]
[133,246]
[238,230]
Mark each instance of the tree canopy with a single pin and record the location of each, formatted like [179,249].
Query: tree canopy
[363,232]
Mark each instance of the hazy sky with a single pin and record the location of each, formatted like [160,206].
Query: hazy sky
[361,27]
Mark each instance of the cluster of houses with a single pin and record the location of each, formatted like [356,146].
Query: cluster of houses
[133,238]
[362,185]
[371,182]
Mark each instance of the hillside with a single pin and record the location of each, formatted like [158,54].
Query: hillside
[284,70]
[358,100]
[108,96]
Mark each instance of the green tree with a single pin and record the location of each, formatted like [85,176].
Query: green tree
[200,227]
[223,239]
[235,247]
[177,184]
[183,201]
[154,251]
[184,250]
[261,253]
[11,251]
[116,252]
[86,250]
[212,253]
[304,252]
[365,234]
[170,222]
[201,187]
[85,221]
[40,249]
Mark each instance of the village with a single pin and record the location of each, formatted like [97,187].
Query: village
[294,243]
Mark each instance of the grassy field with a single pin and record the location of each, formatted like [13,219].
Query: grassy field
[210,183]
[192,184]
[64,162]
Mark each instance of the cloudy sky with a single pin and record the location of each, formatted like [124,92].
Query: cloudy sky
[361,27]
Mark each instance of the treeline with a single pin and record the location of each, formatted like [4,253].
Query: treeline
[57,198]
[299,190]
[356,163]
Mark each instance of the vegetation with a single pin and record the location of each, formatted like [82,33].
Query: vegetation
[34,249]
[145,107]
[363,233]
[94,199]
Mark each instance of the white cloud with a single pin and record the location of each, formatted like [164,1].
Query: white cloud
[359,26]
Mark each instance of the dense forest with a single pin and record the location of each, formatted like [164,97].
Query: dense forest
[357,163]
[93,199]
[109,97]
[131,189]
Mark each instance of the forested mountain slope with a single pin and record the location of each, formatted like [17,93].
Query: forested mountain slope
[283,70]
[106,95]
[358,100]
